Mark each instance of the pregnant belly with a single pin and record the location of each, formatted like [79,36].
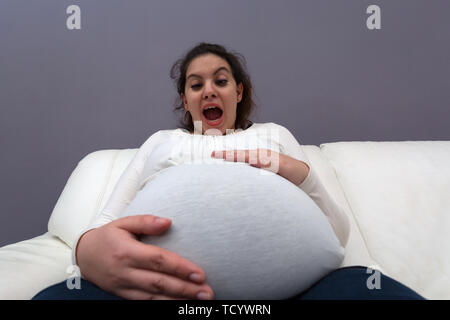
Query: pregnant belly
[255,234]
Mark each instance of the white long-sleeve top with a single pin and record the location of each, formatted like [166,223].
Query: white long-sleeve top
[167,148]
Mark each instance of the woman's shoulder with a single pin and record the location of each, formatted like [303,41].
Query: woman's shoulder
[277,132]
[166,133]
[159,136]
[268,126]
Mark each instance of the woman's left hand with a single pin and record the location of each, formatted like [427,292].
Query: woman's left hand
[289,168]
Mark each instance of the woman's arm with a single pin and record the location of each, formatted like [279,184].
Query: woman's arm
[308,180]
[124,191]
[110,254]
[293,170]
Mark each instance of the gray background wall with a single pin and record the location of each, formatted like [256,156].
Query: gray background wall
[317,69]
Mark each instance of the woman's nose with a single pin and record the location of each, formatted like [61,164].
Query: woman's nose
[209,91]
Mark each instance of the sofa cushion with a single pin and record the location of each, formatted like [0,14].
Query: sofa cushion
[30,266]
[399,196]
[356,253]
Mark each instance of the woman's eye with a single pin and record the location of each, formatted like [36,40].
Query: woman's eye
[221,82]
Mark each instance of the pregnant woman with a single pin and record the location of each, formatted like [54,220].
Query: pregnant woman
[220,208]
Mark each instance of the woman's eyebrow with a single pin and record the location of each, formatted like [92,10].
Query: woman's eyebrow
[218,70]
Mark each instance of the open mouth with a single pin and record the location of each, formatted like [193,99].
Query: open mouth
[213,115]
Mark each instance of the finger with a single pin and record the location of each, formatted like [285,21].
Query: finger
[218,154]
[243,156]
[228,155]
[143,224]
[249,156]
[148,257]
[252,158]
[236,155]
[264,157]
[232,155]
[165,285]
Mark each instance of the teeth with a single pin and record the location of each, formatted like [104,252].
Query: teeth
[211,107]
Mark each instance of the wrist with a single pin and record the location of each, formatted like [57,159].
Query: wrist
[295,170]
[81,243]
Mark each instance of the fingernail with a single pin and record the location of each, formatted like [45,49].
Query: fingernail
[161,220]
[196,277]
[203,295]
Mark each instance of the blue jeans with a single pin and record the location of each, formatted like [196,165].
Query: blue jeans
[347,283]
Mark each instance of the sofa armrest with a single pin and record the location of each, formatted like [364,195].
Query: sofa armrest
[86,192]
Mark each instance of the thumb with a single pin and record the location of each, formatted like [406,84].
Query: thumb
[143,224]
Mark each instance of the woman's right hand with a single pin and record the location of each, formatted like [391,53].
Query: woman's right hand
[114,259]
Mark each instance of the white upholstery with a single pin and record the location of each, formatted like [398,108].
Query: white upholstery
[29,266]
[87,191]
[399,195]
[395,194]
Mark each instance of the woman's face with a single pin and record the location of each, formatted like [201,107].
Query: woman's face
[209,82]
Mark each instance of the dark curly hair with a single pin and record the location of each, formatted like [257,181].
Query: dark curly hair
[237,64]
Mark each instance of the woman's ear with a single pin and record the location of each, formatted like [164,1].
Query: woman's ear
[240,92]
[183,98]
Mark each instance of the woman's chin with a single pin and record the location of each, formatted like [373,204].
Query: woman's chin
[203,127]
[213,131]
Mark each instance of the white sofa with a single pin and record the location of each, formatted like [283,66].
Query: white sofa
[397,195]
